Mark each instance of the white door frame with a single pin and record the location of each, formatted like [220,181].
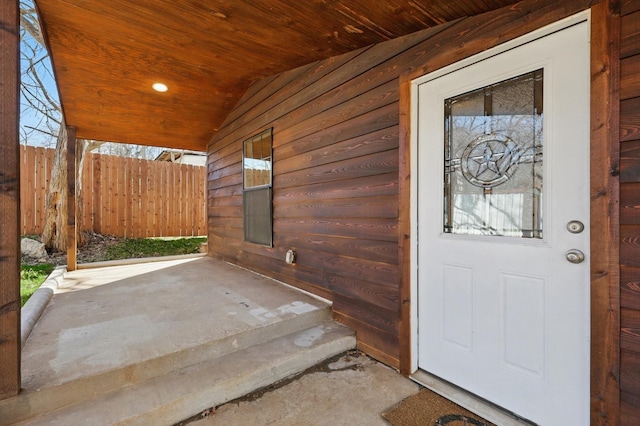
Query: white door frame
[557,26]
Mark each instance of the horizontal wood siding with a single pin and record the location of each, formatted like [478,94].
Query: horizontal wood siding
[630,213]
[335,184]
[336,169]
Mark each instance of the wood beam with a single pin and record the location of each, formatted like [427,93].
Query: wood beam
[404,228]
[9,200]
[605,213]
[72,243]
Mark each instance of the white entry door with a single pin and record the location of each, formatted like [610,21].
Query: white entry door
[503,227]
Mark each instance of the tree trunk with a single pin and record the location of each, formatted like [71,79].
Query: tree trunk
[54,235]
[84,147]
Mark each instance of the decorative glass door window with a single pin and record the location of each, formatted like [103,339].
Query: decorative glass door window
[493,156]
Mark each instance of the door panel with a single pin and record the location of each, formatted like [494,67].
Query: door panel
[503,156]
[457,305]
[522,310]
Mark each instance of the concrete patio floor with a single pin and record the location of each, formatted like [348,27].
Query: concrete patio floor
[148,310]
[350,390]
[112,328]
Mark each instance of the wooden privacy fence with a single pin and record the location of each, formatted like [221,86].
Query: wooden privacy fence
[125,197]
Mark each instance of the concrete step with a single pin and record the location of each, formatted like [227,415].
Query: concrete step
[180,394]
[33,402]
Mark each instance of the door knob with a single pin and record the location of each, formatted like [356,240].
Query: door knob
[575,256]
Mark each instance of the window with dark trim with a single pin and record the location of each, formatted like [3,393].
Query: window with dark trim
[257,184]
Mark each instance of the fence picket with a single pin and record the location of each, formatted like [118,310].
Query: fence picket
[122,196]
[96,164]
[40,181]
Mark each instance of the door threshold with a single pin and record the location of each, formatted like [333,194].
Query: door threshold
[469,401]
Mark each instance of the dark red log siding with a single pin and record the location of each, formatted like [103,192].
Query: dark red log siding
[630,213]
[335,185]
[336,169]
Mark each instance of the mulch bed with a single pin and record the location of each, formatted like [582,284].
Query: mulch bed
[93,249]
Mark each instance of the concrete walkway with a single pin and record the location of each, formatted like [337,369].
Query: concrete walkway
[352,390]
[146,311]
[158,342]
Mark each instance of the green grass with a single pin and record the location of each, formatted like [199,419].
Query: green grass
[152,247]
[31,276]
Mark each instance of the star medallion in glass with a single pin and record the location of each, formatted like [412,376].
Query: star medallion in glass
[493,150]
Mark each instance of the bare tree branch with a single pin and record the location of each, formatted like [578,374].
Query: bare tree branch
[38,103]
[30,23]
[45,93]
[36,129]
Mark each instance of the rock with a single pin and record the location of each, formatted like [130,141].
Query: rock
[33,249]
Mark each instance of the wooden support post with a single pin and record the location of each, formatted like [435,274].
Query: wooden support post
[404,228]
[605,213]
[72,244]
[9,200]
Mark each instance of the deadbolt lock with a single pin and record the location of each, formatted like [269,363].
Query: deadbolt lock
[575,227]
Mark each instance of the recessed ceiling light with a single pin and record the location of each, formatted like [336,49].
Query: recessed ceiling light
[160,87]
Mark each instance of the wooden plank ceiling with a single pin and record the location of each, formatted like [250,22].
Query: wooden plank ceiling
[107,55]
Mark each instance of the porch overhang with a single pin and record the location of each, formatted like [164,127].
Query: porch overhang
[107,55]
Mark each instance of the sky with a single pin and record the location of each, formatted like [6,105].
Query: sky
[30,117]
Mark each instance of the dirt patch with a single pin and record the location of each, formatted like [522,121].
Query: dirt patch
[94,248]
[351,360]
[350,390]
